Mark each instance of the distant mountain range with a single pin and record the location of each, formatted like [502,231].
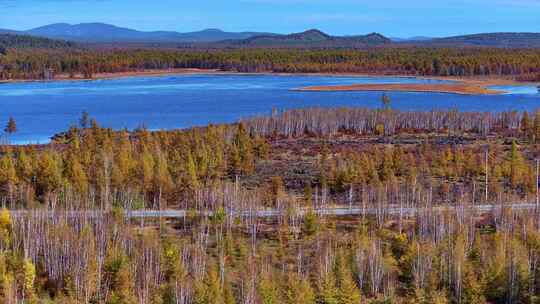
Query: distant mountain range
[106,33]
[507,40]
[101,33]
[4,31]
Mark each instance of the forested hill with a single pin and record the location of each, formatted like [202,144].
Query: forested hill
[24,41]
[502,40]
[312,38]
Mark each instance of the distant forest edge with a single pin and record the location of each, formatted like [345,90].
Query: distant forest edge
[35,62]
[9,41]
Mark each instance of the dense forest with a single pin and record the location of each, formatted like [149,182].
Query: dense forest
[337,149]
[70,236]
[12,41]
[436,257]
[522,63]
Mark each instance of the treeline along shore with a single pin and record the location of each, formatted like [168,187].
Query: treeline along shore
[70,62]
[74,242]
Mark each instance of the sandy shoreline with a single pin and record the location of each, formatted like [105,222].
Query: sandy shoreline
[458,88]
[182,71]
[99,76]
[118,75]
[461,85]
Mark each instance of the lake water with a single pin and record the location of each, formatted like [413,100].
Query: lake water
[42,109]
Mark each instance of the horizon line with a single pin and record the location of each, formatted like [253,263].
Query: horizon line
[264,32]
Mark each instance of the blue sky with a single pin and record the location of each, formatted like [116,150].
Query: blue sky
[396,18]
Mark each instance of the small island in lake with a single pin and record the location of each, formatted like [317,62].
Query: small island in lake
[453,88]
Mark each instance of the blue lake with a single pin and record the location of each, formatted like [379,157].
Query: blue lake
[42,109]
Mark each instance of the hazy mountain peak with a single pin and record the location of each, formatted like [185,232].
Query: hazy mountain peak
[315,32]
[375,35]
[314,38]
[311,35]
[212,30]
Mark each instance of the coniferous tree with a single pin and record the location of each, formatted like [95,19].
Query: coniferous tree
[192,179]
[11,126]
[268,290]
[328,293]
[209,291]
[119,277]
[516,165]
[49,175]
[385,100]
[525,125]
[6,230]
[28,277]
[536,129]
[348,291]
[76,174]
[311,223]
[8,175]
[84,121]
[228,294]
[298,290]
[8,292]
